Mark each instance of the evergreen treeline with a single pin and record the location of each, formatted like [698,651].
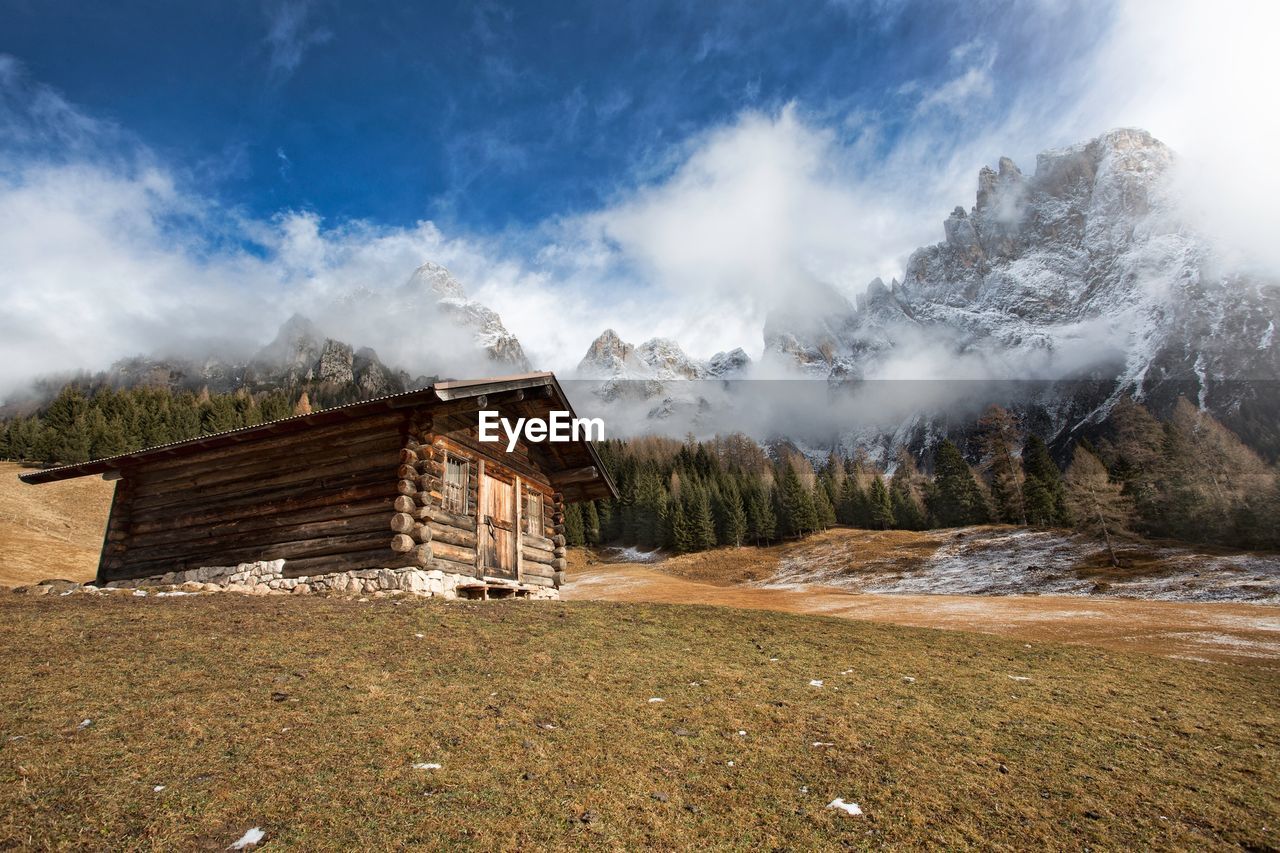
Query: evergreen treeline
[1185,478]
[1188,478]
[79,425]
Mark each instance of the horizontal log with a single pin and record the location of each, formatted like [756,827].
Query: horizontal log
[354,561]
[439,516]
[558,563]
[332,435]
[558,539]
[403,522]
[146,497]
[378,449]
[451,535]
[402,544]
[288,496]
[468,569]
[558,579]
[405,503]
[447,551]
[533,543]
[540,557]
[541,570]
[178,546]
[422,532]
[245,525]
[560,551]
[407,472]
[409,455]
[407,487]
[134,565]
[536,580]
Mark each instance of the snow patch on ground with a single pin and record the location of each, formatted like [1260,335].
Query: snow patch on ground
[982,561]
[631,554]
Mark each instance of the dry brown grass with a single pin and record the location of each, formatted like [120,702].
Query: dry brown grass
[50,531]
[305,716]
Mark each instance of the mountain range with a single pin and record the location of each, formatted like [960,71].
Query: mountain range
[1082,277]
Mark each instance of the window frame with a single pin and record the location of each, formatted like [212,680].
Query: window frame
[533,497]
[463,508]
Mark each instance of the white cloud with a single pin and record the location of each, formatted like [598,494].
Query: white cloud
[289,38]
[111,255]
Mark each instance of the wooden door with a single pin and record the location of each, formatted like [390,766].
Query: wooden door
[498,526]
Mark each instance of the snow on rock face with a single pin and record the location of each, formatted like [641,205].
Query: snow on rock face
[654,369]
[1086,265]
[437,285]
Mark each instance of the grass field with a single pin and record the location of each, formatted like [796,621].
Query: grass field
[50,531]
[305,717]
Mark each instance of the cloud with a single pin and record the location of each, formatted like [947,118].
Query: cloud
[109,252]
[289,38]
[974,82]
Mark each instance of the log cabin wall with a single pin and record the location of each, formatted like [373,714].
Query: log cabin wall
[369,493]
[318,498]
[453,540]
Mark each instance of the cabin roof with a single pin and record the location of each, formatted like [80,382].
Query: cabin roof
[599,486]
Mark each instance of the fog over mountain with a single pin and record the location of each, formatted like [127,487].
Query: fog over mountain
[1058,291]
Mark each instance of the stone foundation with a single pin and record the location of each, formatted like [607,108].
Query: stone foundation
[267,578]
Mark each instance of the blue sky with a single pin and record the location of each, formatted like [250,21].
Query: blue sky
[182,177]
[488,115]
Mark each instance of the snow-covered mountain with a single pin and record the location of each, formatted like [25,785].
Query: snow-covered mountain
[657,374]
[1084,269]
[431,285]
[1083,277]
[662,359]
[427,321]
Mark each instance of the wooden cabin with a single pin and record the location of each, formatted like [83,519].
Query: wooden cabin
[392,493]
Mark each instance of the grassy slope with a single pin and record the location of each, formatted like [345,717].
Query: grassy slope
[538,713]
[50,531]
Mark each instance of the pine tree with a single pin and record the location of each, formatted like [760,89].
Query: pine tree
[697,510]
[852,508]
[67,429]
[762,522]
[1043,494]
[955,499]
[823,510]
[796,513]
[998,440]
[904,497]
[678,536]
[881,509]
[573,532]
[1098,505]
[590,523]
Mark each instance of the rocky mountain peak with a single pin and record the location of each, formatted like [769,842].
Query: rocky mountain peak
[434,278]
[607,356]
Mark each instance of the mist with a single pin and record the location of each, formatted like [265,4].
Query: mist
[110,251]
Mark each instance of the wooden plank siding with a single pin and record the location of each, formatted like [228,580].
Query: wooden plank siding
[326,492]
[340,493]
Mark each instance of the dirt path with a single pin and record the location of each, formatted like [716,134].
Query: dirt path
[1235,633]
